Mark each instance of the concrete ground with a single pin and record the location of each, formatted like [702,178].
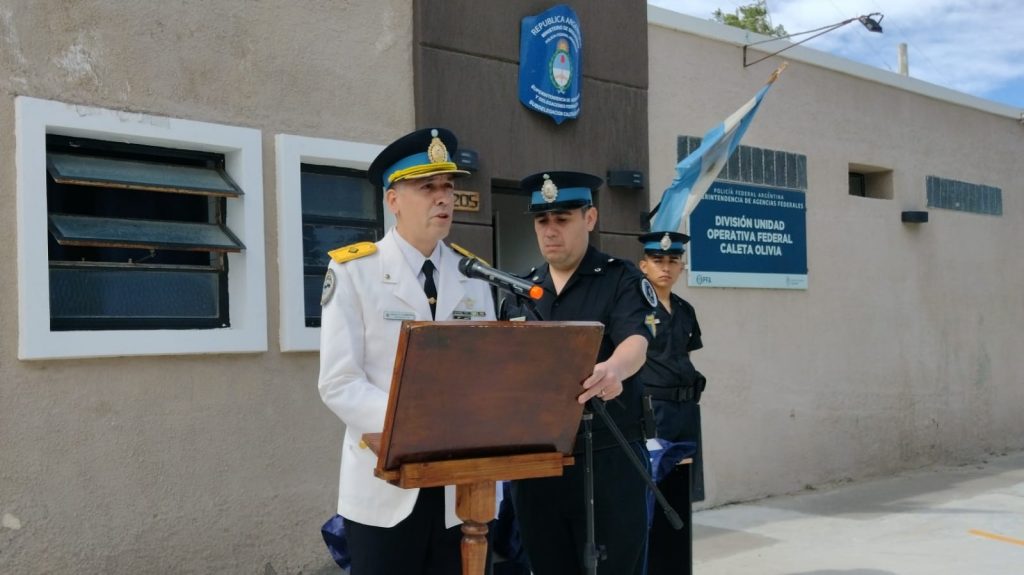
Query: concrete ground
[965,520]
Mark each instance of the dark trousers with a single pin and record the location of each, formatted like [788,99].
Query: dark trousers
[552,516]
[418,545]
[680,421]
[670,551]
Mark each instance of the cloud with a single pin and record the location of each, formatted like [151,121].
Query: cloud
[972,46]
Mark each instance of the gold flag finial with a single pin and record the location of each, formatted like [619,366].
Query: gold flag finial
[775,74]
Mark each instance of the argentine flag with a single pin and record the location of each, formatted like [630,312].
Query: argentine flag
[696,172]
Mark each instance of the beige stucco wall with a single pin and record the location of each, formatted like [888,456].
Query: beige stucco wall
[905,349]
[188,464]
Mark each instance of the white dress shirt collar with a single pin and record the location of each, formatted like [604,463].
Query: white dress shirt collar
[415,258]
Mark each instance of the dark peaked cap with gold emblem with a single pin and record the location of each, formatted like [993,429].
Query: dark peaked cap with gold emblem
[554,191]
[421,154]
[664,243]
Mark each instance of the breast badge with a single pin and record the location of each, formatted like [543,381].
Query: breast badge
[652,324]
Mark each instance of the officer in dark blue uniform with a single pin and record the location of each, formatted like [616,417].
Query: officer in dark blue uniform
[673,386]
[582,284]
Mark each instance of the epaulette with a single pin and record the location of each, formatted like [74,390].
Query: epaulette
[352,252]
[464,252]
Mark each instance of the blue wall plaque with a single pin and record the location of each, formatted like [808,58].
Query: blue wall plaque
[748,236]
[549,63]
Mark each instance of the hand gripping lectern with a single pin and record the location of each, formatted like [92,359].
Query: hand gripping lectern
[475,402]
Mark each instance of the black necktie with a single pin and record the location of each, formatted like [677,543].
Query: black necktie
[429,287]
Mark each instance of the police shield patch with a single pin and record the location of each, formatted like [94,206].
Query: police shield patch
[648,291]
[328,291]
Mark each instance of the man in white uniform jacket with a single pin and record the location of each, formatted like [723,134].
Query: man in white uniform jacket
[369,289]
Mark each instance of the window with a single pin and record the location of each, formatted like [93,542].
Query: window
[752,165]
[137,238]
[134,228]
[858,185]
[324,202]
[338,209]
[870,181]
[963,196]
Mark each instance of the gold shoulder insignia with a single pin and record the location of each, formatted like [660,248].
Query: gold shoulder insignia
[464,252]
[352,252]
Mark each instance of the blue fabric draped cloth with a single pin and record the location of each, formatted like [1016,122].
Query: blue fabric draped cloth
[333,533]
[663,461]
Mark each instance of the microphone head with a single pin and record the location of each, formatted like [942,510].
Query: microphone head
[465,264]
[536,292]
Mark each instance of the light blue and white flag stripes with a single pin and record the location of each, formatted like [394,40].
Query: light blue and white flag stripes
[696,172]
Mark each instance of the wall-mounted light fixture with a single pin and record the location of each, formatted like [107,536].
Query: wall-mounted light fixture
[873,22]
[914,217]
[625,179]
[467,159]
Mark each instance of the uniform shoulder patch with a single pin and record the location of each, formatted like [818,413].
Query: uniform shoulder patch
[353,252]
[648,290]
[328,291]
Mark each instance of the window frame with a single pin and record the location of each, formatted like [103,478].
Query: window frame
[292,152]
[348,222]
[877,181]
[242,150]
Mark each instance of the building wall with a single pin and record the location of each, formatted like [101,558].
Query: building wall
[190,463]
[903,351]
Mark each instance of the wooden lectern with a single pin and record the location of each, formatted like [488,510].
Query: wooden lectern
[473,403]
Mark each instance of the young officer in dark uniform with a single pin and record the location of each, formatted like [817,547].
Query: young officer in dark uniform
[582,284]
[674,387]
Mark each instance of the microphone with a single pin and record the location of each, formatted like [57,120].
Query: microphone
[474,268]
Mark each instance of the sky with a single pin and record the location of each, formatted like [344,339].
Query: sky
[971,46]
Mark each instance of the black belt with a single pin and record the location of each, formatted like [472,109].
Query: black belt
[670,393]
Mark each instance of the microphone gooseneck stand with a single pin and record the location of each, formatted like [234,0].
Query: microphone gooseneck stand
[673,517]
[591,553]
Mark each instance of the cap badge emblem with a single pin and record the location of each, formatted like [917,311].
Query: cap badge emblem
[437,152]
[666,242]
[549,191]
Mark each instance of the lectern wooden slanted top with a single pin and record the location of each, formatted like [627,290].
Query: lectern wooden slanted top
[473,403]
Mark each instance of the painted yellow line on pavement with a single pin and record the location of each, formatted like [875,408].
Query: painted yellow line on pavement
[996,537]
